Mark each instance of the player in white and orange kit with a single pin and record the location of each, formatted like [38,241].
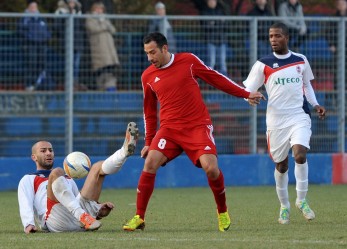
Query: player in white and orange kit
[51,200]
[185,124]
[286,76]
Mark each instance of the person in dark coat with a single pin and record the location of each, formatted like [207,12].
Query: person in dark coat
[215,35]
[35,35]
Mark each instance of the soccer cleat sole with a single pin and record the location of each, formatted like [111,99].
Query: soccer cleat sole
[141,227]
[94,228]
[132,135]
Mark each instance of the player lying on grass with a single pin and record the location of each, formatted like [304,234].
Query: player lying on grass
[51,200]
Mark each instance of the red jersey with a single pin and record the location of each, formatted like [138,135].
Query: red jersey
[176,88]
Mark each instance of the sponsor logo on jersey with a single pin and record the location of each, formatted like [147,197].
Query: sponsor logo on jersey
[283,81]
[275,65]
[156,79]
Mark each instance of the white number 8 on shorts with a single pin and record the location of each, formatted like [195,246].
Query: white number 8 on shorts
[162,143]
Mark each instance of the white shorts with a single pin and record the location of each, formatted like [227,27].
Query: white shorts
[61,220]
[280,141]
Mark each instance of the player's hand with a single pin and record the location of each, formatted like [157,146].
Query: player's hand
[30,229]
[104,210]
[144,151]
[254,98]
[321,111]
[253,102]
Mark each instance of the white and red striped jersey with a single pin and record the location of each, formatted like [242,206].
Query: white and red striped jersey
[176,89]
[32,197]
[287,79]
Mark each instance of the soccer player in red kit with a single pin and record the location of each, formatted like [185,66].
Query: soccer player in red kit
[185,124]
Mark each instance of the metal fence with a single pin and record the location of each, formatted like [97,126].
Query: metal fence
[50,88]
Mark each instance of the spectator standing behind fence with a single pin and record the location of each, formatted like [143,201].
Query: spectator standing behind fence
[72,7]
[332,29]
[214,31]
[104,55]
[261,8]
[293,15]
[163,26]
[331,34]
[35,36]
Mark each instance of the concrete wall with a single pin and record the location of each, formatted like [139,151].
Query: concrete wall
[238,170]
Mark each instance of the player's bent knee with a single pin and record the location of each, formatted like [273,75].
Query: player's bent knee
[97,168]
[300,158]
[151,168]
[212,171]
[153,163]
[57,172]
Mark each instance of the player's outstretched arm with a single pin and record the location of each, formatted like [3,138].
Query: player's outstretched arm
[321,111]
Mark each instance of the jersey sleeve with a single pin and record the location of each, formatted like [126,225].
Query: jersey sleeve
[308,89]
[150,102]
[256,77]
[216,79]
[26,196]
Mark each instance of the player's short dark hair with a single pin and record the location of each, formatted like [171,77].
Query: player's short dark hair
[157,37]
[280,25]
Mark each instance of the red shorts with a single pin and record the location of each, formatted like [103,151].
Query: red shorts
[194,142]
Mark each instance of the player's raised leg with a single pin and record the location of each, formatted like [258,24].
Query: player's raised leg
[59,190]
[93,185]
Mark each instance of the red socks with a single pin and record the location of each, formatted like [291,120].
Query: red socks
[145,189]
[218,189]
[146,186]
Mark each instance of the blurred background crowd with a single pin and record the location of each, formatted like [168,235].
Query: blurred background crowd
[48,47]
[97,62]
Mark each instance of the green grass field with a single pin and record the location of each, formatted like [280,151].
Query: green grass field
[186,218]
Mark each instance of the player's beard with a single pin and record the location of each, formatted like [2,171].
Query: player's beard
[46,165]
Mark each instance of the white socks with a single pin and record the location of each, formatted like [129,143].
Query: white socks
[301,176]
[63,192]
[282,188]
[114,162]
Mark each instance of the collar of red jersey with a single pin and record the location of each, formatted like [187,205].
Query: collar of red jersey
[170,62]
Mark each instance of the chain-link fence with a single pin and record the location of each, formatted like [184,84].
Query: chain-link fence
[58,84]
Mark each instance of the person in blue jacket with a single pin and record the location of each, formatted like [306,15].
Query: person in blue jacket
[35,35]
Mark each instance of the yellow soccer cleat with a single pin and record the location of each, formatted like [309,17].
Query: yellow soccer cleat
[135,223]
[223,221]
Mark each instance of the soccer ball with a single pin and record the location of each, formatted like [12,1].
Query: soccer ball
[77,165]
